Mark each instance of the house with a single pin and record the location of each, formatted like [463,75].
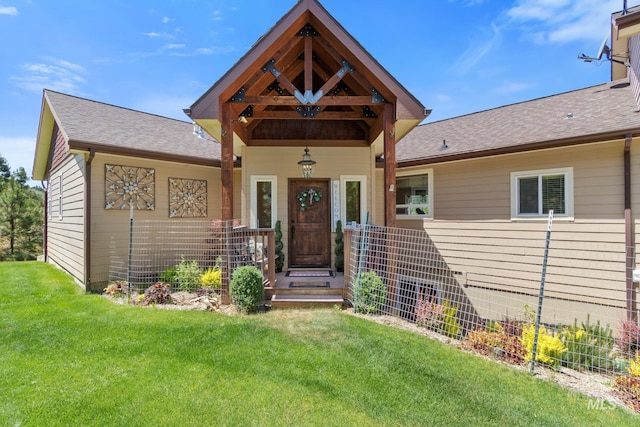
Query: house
[306,87]
[308,114]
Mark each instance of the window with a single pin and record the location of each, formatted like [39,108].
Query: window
[263,201]
[413,195]
[353,196]
[60,196]
[535,193]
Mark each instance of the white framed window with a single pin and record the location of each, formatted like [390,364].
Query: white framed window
[60,196]
[353,199]
[264,201]
[534,193]
[414,194]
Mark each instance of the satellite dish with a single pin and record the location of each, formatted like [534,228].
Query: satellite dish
[604,49]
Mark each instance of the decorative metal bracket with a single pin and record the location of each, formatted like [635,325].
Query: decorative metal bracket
[271,67]
[247,112]
[308,31]
[340,87]
[239,96]
[275,86]
[309,97]
[308,111]
[368,113]
[376,97]
[346,67]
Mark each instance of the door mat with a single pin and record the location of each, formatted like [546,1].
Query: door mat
[309,284]
[310,273]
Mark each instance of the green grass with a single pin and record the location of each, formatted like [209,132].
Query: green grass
[67,358]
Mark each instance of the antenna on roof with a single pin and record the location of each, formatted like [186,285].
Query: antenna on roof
[604,50]
[624,7]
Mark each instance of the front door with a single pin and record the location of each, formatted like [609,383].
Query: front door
[309,223]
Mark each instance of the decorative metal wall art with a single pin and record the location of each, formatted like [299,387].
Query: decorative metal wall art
[127,186]
[187,198]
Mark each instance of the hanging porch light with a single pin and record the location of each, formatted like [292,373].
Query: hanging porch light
[306,164]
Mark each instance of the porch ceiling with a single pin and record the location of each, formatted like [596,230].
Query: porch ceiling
[307,82]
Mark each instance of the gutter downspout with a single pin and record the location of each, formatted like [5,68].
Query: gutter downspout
[628,230]
[45,231]
[87,221]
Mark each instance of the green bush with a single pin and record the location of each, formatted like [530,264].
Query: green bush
[370,293]
[279,247]
[588,346]
[246,288]
[188,275]
[339,251]
[168,276]
[450,325]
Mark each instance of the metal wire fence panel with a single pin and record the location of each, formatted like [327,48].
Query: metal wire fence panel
[185,254]
[467,285]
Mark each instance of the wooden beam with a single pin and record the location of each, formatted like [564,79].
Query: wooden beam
[226,162]
[325,100]
[308,142]
[308,64]
[322,115]
[389,165]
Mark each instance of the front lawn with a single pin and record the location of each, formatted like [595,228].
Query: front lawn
[67,358]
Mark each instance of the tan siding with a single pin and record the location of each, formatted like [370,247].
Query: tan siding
[65,236]
[473,231]
[109,228]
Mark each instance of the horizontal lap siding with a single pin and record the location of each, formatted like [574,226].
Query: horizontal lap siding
[474,233]
[110,228]
[65,236]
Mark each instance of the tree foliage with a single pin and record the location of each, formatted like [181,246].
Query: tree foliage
[21,215]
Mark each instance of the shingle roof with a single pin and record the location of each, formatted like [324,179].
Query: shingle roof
[579,116]
[108,128]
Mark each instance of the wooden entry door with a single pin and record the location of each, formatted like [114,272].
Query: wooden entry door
[309,223]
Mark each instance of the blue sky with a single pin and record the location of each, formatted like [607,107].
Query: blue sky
[456,56]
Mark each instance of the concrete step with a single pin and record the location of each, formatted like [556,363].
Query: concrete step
[305,301]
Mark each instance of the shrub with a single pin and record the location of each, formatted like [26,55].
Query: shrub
[370,293]
[188,275]
[212,278]
[439,317]
[168,276]
[279,247]
[550,348]
[339,250]
[158,293]
[628,337]
[494,341]
[117,287]
[629,385]
[246,288]
[588,346]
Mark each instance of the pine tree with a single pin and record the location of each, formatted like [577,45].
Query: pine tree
[339,250]
[279,247]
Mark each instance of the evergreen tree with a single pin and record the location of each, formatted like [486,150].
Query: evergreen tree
[339,251]
[20,214]
[279,247]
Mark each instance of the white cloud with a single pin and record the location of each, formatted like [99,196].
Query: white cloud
[478,48]
[166,19]
[174,46]
[54,74]
[557,21]
[8,10]
[217,15]
[151,34]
